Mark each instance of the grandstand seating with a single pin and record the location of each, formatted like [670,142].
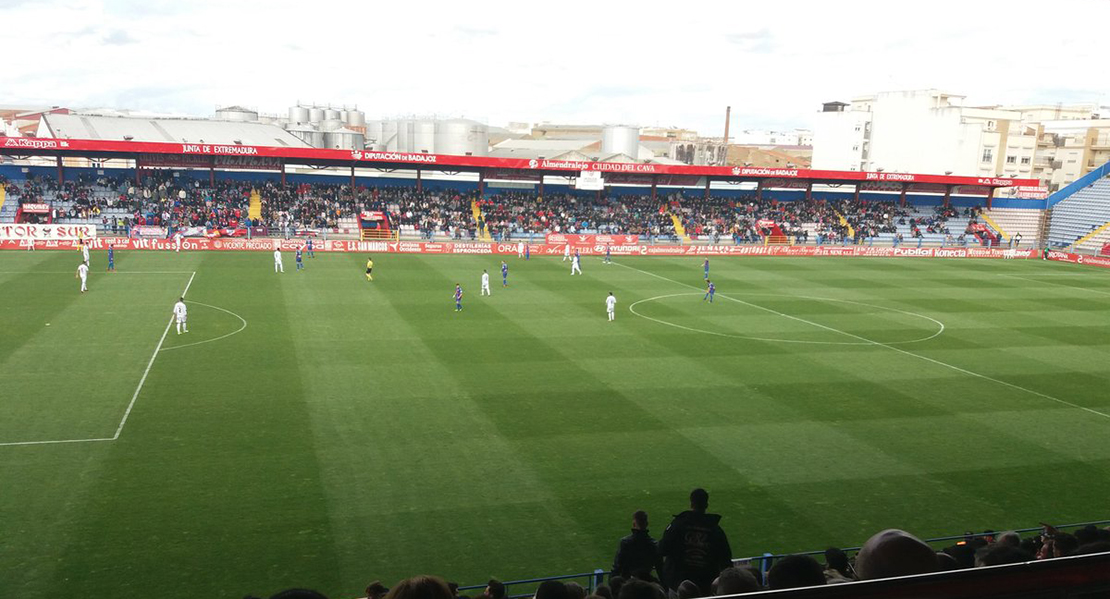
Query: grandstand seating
[1080,214]
[1012,221]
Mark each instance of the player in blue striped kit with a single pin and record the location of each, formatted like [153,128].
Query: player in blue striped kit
[709,291]
[458,297]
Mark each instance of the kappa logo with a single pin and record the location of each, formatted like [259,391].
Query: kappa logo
[533,163]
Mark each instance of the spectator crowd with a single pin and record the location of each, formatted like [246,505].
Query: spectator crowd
[693,559]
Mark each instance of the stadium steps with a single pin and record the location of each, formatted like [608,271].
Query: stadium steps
[1077,215]
[254,211]
[476,209]
[844,223]
[997,229]
[1014,221]
[1096,238]
[678,228]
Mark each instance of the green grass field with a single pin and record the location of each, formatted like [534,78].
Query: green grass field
[355,431]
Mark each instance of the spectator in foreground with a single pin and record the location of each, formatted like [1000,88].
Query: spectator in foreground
[688,590]
[575,590]
[638,553]
[997,554]
[420,587]
[837,568]
[694,547]
[298,594]
[495,589]
[733,581]
[376,590]
[894,552]
[551,589]
[639,589]
[795,571]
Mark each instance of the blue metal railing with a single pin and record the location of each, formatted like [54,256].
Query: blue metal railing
[763,561]
[1079,184]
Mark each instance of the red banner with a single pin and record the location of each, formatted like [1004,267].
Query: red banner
[35,208]
[106,148]
[565,238]
[1078,259]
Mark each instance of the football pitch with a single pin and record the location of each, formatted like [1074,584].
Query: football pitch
[315,429]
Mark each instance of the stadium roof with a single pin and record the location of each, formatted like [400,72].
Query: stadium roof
[114,128]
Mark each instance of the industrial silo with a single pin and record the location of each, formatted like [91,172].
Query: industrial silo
[619,139]
[331,114]
[315,114]
[424,137]
[237,114]
[405,131]
[331,124]
[356,118]
[343,115]
[345,139]
[462,137]
[373,130]
[389,135]
[298,114]
[308,134]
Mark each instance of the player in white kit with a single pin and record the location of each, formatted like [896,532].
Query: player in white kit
[566,252]
[85,252]
[575,267]
[611,306]
[83,274]
[520,249]
[177,242]
[485,283]
[278,266]
[180,313]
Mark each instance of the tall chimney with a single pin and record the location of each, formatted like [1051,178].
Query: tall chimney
[728,114]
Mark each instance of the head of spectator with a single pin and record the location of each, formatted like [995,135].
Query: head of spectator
[575,590]
[688,590]
[615,584]
[420,587]
[298,594]
[733,581]
[1010,538]
[376,590]
[640,520]
[894,552]
[1064,544]
[639,589]
[1087,534]
[794,571]
[998,554]
[699,500]
[1095,547]
[603,591]
[551,589]
[837,561]
[946,562]
[495,589]
[454,587]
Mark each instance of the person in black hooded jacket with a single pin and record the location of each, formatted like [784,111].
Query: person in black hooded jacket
[694,547]
[638,554]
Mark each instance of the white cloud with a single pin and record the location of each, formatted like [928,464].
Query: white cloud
[628,62]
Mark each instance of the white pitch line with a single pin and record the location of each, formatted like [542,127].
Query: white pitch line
[890,347]
[153,356]
[134,396]
[235,332]
[98,272]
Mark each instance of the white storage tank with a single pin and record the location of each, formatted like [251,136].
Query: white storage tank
[424,137]
[331,114]
[298,114]
[462,137]
[343,115]
[345,139]
[405,131]
[373,131]
[389,135]
[315,115]
[237,114]
[620,139]
[308,134]
[356,118]
[331,124]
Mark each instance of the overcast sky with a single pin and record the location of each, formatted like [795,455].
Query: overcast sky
[644,63]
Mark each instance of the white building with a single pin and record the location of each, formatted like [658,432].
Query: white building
[922,131]
[763,137]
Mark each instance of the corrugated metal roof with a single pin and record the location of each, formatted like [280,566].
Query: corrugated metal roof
[76,126]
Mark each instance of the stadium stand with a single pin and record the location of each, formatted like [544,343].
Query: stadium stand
[1011,222]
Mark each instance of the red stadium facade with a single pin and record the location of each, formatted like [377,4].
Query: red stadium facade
[214,157]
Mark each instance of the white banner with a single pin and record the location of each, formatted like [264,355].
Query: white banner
[23,232]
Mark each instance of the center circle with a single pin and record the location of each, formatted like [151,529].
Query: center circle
[860,340]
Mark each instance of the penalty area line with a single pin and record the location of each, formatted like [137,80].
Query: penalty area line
[890,347]
[134,396]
